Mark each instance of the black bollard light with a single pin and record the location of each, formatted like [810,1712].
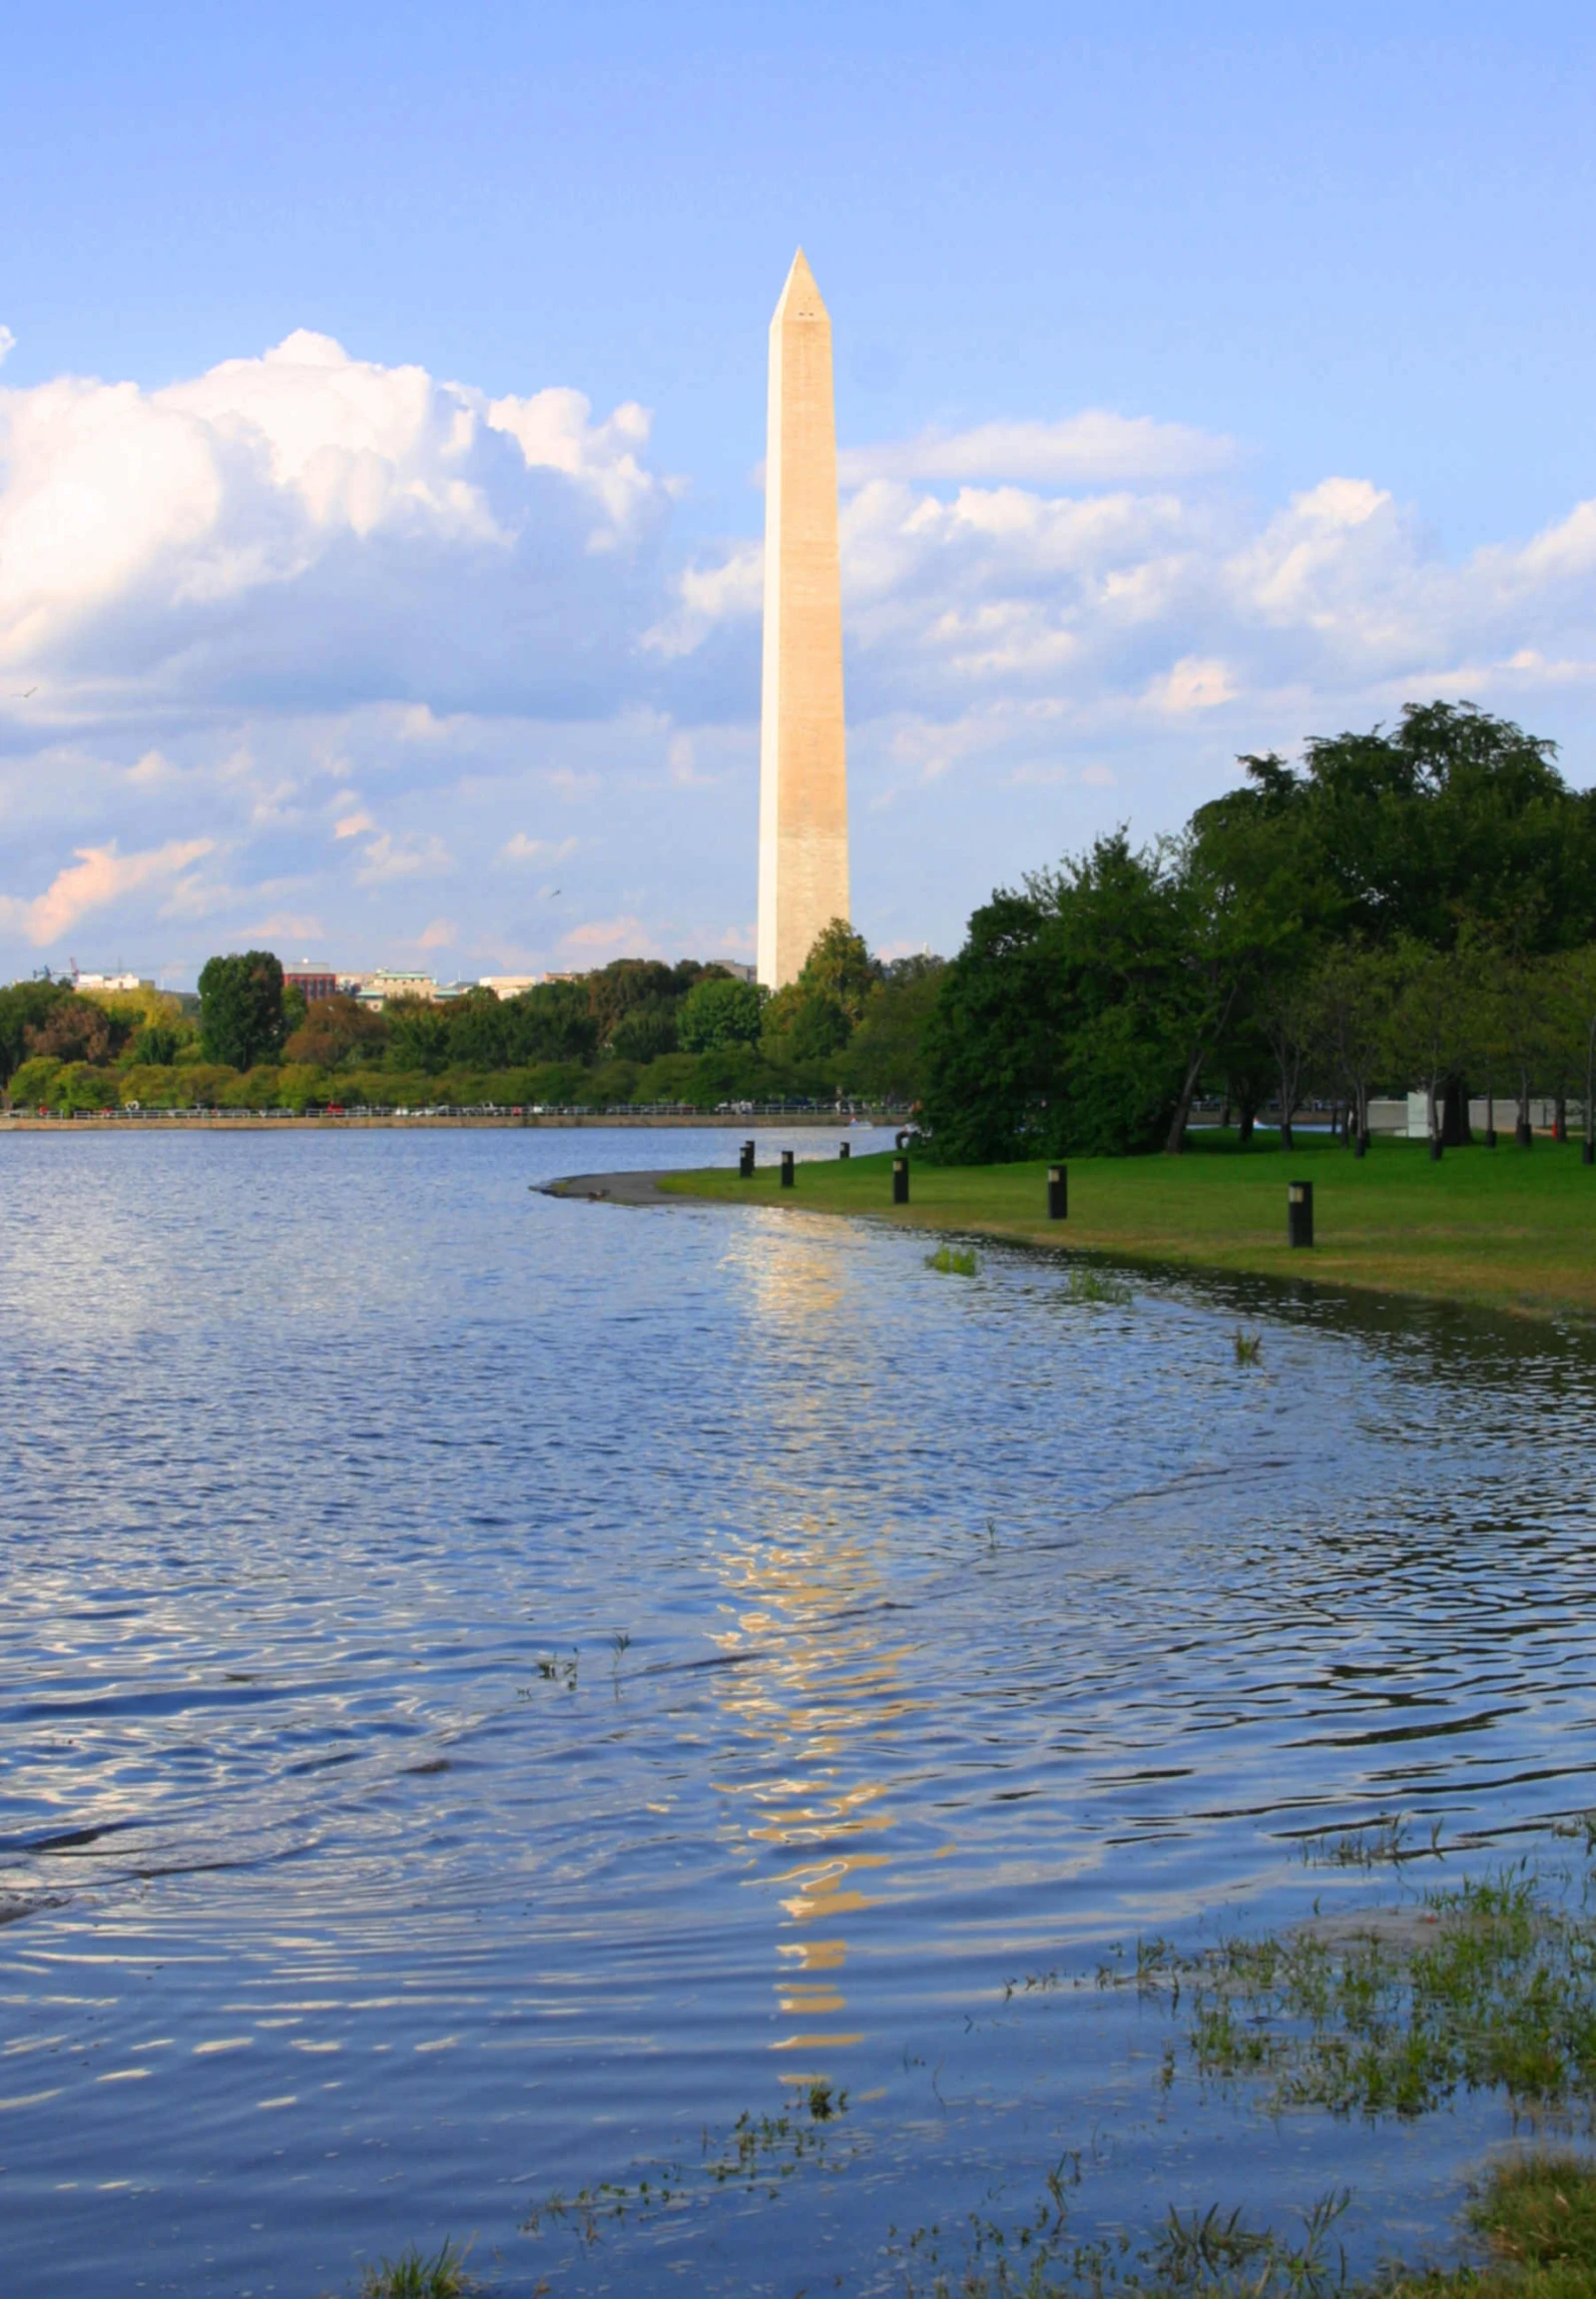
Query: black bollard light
[1058,1193]
[845,1149]
[1587,1153]
[1359,1145]
[744,1163]
[1299,1213]
[901,1181]
[1434,1149]
[787,1169]
[1490,1137]
[1524,1134]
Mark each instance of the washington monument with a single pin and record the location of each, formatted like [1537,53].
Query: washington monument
[802,761]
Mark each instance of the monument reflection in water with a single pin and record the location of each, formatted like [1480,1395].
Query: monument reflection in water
[369,1887]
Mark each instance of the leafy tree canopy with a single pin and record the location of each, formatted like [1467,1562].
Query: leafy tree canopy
[25,1006]
[332,1030]
[723,1012]
[885,1059]
[240,1009]
[840,967]
[1451,817]
[646,1030]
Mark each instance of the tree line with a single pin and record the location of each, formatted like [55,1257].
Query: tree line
[637,1030]
[1411,908]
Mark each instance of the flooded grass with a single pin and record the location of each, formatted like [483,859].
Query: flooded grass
[1098,1285]
[1248,1347]
[1381,1843]
[953,1261]
[1485,1987]
[1533,2218]
[1495,1230]
[416,2274]
[755,2156]
[1488,1987]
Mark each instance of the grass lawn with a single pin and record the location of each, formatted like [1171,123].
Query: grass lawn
[1504,1229]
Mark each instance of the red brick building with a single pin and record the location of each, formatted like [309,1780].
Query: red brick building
[315,981]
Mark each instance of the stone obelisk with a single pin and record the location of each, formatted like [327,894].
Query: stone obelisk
[802,761]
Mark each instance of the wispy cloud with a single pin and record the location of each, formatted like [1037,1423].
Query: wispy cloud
[98,878]
[1093,449]
[417,856]
[626,934]
[522,849]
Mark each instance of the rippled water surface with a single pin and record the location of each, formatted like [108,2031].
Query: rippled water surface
[495,1687]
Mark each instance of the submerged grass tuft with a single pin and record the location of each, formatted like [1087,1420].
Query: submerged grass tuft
[415,2275]
[1378,1844]
[1093,1284]
[955,1261]
[755,2156]
[1248,1347]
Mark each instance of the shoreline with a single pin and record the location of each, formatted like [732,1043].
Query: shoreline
[1483,1231]
[256,1121]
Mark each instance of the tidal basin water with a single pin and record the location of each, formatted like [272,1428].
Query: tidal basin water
[496,1689]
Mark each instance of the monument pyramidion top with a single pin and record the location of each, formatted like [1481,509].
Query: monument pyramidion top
[800,299]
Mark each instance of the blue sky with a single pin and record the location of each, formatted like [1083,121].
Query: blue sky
[1203,384]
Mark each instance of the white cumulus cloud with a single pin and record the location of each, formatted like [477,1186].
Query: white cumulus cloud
[357,627]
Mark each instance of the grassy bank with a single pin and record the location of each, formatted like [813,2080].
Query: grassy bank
[1504,1229]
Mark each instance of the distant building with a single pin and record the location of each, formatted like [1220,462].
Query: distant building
[110,981]
[374,989]
[508,985]
[737,969]
[313,982]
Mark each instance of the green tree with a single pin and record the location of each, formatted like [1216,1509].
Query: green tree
[1572,987]
[83,1086]
[240,1009]
[1522,1027]
[625,983]
[1451,817]
[1066,1022]
[552,1022]
[156,1044]
[839,967]
[420,1036]
[74,1029]
[646,1030]
[24,1006]
[479,1029]
[1352,990]
[802,1024]
[31,1080]
[718,1013]
[885,1059]
[333,1031]
[1433,1018]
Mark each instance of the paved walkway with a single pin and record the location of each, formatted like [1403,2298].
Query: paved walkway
[618,1188]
